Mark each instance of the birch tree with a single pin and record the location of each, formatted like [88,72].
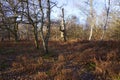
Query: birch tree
[92,18]
[87,10]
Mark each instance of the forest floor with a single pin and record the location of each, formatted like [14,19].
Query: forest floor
[72,60]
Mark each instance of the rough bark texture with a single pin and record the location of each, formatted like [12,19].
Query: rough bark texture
[42,24]
[45,37]
[48,27]
[36,37]
[63,27]
[16,31]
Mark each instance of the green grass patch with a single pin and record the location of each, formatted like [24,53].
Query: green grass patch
[90,66]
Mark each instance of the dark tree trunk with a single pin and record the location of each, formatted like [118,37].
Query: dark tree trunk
[16,32]
[36,37]
[106,21]
[48,27]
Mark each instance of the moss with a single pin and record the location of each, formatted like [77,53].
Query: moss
[90,66]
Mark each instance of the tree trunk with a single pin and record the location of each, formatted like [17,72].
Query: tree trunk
[36,37]
[63,27]
[9,35]
[106,21]
[48,27]
[91,33]
[16,32]
[45,38]
[103,33]
[3,35]
[92,19]
[28,37]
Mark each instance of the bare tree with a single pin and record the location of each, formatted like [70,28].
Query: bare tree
[41,26]
[92,22]
[87,9]
[9,10]
[106,20]
[63,27]
[46,39]
[31,14]
[45,24]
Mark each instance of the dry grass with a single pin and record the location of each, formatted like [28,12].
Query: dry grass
[73,60]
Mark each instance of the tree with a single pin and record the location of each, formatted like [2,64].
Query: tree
[31,15]
[45,37]
[87,8]
[9,9]
[106,20]
[35,14]
[63,27]
[92,17]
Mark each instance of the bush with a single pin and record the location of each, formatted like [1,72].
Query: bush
[116,32]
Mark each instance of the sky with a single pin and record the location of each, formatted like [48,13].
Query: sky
[72,7]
